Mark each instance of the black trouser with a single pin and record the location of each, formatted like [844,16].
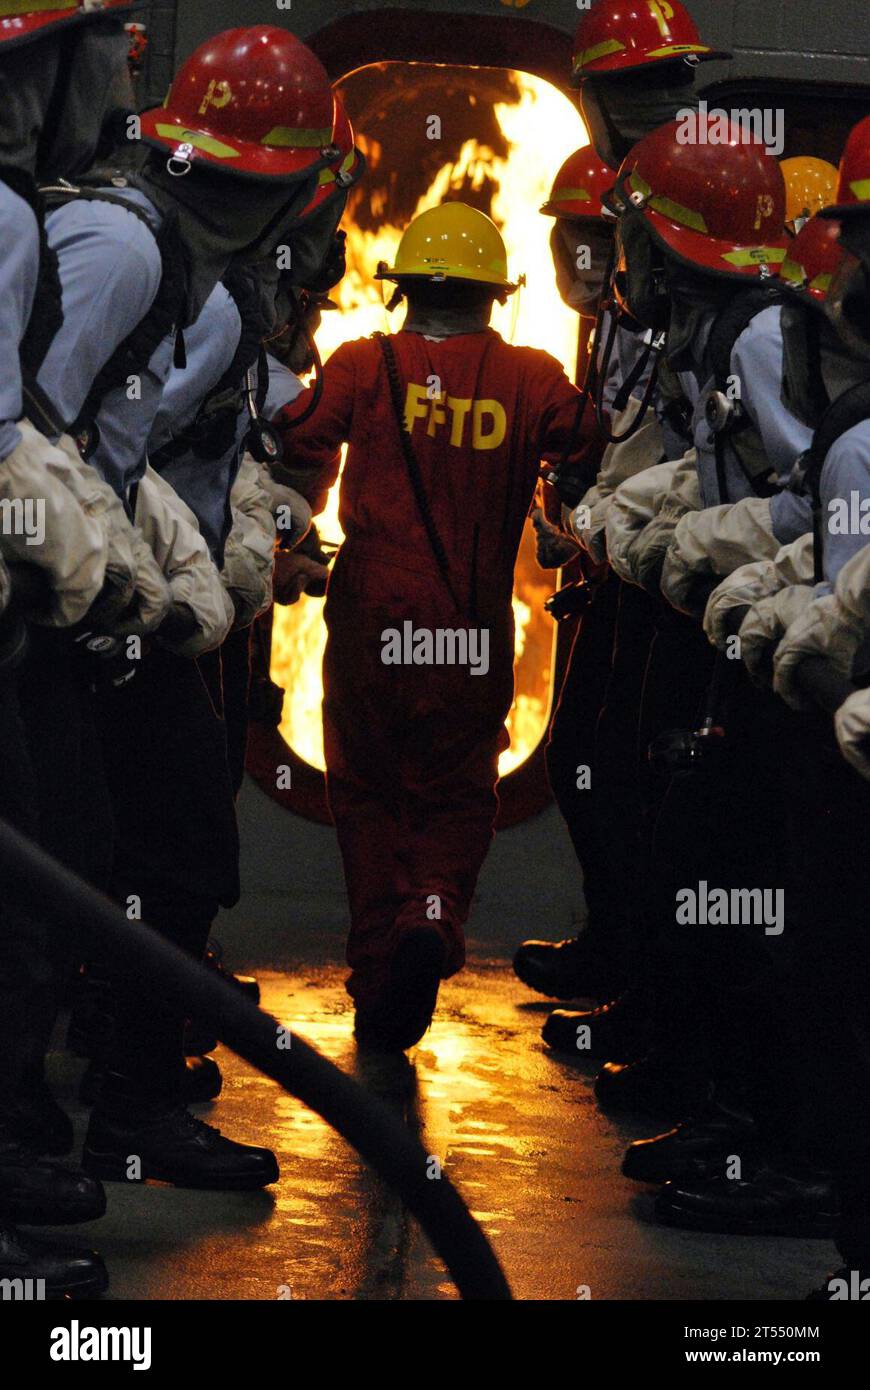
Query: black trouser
[595,727]
[227,674]
[829,805]
[26,977]
[177,859]
[72,816]
[720,986]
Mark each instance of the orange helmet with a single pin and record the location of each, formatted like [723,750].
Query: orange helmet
[617,36]
[810,184]
[252,101]
[813,256]
[578,186]
[853,186]
[22,21]
[718,206]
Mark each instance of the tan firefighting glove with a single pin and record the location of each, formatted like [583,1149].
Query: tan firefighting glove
[634,504]
[764,625]
[715,541]
[249,553]
[170,529]
[833,627]
[50,529]
[647,555]
[729,602]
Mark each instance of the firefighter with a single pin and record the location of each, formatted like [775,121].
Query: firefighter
[446,426]
[815,613]
[667,186]
[141,253]
[635,65]
[69,562]
[602,677]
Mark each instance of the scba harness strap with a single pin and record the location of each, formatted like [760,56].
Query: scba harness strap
[46,314]
[848,410]
[132,356]
[213,430]
[725,415]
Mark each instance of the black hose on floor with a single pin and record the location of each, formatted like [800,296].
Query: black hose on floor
[175,978]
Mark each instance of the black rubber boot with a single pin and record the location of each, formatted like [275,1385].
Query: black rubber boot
[572,969]
[775,1199]
[654,1085]
[36,1191]
[404,1014]
[171,1145]
[693,1148]
[616,1032]
[66,1271]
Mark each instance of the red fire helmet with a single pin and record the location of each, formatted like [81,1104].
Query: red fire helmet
[578,186]
[853,187]
[718,204]
[813,256]
[346,168]
[252,101]
[618,36]
[23,21]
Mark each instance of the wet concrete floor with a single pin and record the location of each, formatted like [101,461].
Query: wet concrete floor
[515,1128]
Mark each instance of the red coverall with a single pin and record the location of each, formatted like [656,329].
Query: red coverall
[412,750]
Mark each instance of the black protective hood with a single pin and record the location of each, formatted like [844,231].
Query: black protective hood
[53,111]
[619,111]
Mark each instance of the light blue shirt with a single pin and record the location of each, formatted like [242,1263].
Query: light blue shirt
[845,494]
[204,483]
[756,365]
[19,271]
[110,270]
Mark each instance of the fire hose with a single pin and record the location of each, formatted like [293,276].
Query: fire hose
[170,976]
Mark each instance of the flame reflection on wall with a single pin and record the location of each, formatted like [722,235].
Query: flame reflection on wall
[505,134]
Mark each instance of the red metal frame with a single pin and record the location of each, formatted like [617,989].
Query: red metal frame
[386,35]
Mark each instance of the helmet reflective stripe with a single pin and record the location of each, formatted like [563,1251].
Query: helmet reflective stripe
[755,255]
[861,189]
[206,143]
[600,50]
[666,206]
[282,137]
[565,195]
[19,7]
[677,213]
[674,49]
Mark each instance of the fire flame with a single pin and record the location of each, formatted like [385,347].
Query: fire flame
[541,130]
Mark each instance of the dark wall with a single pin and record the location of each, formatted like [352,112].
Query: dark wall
[824,41]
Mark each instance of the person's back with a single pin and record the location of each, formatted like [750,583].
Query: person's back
[481,415]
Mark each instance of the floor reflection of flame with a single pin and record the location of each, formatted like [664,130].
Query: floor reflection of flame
[540,129]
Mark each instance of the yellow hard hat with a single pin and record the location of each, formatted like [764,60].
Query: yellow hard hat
[810,185]
[451,242]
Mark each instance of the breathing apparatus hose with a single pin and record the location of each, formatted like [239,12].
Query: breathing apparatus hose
[317,390]
[171,976]
[623,395]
